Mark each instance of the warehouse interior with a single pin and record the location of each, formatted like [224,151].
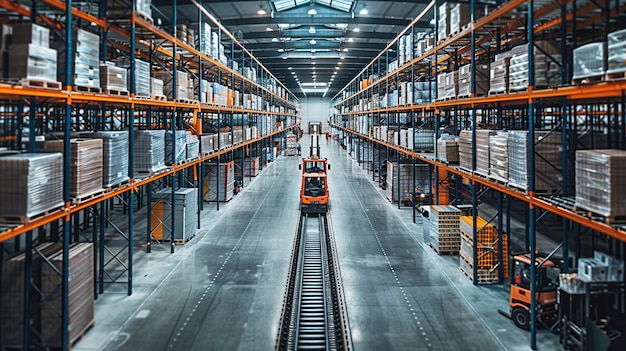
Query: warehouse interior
[312,174]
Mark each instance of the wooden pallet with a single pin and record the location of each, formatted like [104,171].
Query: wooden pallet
[615,76]
[169,241]
[86,197]
[596,216]
[141,97]
[23,219]
[497,93]
[112,187]
[85,89]
[187,101]
[588,80]
[483,278]
[498,179]
[144,17]
[40,84]
[151,173]
[115,92]
[443,251]
[158,97]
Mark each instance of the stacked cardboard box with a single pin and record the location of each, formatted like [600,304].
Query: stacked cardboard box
[81,301]
[30,184]
[547,167]
[208,143]
[12,294]
[444,235]
[30,56]
[499,156]
[182,83]
[459,16]
[176,141]
[149,151]
[156,87]
[185,214]
[219,182]
[499,74]
[601,182]
[465,80]
[6,38]
[86,57]
[143,8]
[589,60]
[204,39]
[142,76]
[448,148]
[85,164]
[113,77]
[193,145]
[482,150]
[251,167]
[547,69]
[617,52]
[443,25]
[486,250]
[114,156]
[465,149]
[292,143]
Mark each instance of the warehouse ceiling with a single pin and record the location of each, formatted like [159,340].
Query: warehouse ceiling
[314,47]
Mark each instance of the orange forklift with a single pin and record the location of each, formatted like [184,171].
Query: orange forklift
[314,194]
[547,278]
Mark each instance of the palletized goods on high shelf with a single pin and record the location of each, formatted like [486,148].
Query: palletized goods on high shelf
[443,233]
[448,148]
[113,77]
[30,55]
[486,250]
[251,166]
[179,139]
[114,156]
[193,145]
[86,56]
[186,216]
[465,149]
[30,184]
[499,156]
[601,183]
[149,151]
[85,164]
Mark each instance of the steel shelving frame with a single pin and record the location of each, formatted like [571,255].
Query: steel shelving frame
[568,21]
[138,37]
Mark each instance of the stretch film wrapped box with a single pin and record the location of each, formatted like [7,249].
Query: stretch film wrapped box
[185,214]
[142,75]
[589,60]
[465,80]
[180,141]
[86,56]
[448,148]
[112,77]
[499,156]
[143,7]
[601,182]
[149,151]
[208,143]
[114,156]
[80,295]
[30,184]
[193,145]
[465,149]
[423,139]
[85,164]
[32,61]
[251,167]
[482,150]
[617,51]
[156,87]
[547,167]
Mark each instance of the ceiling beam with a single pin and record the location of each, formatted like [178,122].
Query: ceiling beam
[315,20]
[368,35]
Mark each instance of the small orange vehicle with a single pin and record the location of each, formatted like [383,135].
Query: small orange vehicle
[547,277]
[314,194]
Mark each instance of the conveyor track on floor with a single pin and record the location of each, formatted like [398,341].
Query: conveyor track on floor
[313,315]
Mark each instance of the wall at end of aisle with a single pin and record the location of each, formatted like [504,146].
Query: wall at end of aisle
[315,109]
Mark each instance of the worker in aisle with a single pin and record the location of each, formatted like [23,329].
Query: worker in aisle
[299,148]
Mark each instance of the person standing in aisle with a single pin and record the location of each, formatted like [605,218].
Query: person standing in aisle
[299,148]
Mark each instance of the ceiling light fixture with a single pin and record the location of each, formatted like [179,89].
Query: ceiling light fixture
[269,29]
[363,10]
[312,42]
[345,50]
[312,30]
[312,11]
[350,40]
[356,29]
[261,11]
[274,39]
[342,57]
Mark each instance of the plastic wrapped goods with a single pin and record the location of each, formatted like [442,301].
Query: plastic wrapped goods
[547,167]
[30,184]
[601,182]
[114,156]
[499,156]
[85,164]
[193,145]
[149,151]
[180,142]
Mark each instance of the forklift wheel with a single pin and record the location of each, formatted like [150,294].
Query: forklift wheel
[521,318]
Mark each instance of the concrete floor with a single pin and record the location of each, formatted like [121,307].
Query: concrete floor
[224,289]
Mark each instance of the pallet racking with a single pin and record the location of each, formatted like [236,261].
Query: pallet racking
[31,108]
[578,116]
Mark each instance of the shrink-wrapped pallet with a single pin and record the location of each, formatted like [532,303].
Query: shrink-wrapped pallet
[156,87]
[114,156]
[185,214]
[589,60]
[499,156]
[32,62]
[193,145]
[85,164]
[30,184]
[219,182]
[175,142]
[465,149]
[499,75]
[207,143]
[149,151]
[616,42]
[465,80]
[548,176]
[142,75]
[448,148]
[601,182]
[86,59]
[482,150]
[113,77]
